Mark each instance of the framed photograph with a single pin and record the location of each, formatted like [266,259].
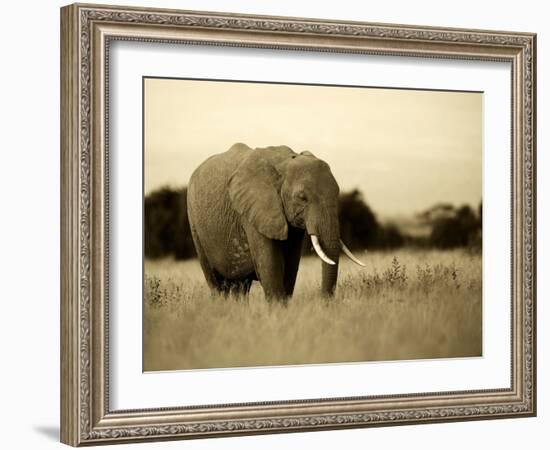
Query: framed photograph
[274,224]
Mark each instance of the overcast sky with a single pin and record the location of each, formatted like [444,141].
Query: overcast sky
[404,149]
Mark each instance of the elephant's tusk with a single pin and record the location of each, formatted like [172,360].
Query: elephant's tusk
[350,255]
[319,250]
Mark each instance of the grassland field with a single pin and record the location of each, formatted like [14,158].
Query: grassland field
[407,304]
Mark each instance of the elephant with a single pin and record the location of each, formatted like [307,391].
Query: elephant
[249,210]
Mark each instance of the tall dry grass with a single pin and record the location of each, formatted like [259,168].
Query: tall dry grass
[403,305]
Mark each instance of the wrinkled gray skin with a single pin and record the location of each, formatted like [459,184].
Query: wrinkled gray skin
[249,210]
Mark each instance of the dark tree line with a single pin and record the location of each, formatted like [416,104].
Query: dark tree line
[359,227]
[460,228]
[167,232]
[166,226]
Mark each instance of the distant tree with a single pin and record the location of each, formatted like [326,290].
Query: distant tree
[359,228]
[455,231]
[166,227]
[436,212]
[184,247]
[391,237]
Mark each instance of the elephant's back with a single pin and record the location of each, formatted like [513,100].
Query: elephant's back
[213,222]
[211,177]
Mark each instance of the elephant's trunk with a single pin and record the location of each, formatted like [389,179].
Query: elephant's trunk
[325,237]
[330,271]
[319,250]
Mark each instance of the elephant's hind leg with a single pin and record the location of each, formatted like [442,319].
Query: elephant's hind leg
[213,279]
[239,288]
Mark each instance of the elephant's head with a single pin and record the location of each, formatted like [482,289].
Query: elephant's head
[275,187]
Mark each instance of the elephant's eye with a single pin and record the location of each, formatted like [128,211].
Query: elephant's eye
[302,196]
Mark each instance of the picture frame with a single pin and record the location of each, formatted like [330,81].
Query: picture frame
[87,32]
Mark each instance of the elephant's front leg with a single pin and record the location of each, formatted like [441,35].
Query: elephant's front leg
[292,254]
[268,258]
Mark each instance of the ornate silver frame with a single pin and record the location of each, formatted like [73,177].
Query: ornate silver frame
[86,31]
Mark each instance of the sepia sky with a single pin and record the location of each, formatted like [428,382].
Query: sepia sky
[404,149]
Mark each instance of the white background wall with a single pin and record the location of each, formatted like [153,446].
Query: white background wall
[29,234]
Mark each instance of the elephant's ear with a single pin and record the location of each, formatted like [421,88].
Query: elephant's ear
[254,194]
